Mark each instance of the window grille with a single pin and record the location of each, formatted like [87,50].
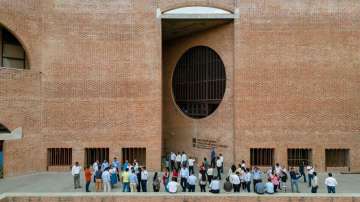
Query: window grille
[261,156]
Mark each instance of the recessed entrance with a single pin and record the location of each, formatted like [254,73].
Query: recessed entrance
[196,58]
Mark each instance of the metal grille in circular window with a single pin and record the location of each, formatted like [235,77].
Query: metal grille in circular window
[199,82]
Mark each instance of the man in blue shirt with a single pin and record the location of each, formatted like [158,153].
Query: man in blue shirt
[116,164]
[257,176]
[184,174]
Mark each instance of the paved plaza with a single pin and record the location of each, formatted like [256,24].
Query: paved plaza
[56,182]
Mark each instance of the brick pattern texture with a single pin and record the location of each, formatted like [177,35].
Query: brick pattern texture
[100,77]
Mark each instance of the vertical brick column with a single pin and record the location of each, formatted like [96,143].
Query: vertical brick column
[319,158]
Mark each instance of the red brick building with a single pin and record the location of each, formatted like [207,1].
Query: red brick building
[263,81]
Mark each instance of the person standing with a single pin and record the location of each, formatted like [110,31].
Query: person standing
[178,161]
[172,160]
[156,183]
[235,180]
[213,157]
[206,164]
[106,180]
[95,167]
[75,172]
[87,175]
[331,183]
[275,179]
[302,170]
[98,181]
[257,176]
[191,162]
[184,174]
[218,167]
[314,183]
[247,179]
[125,180]
[294,180]
[133,181]
[202,180]
[138,175]
[165,178]
[210,174]
[310,171]
[183,159]
[144,178]
[191,181]
[116,164]
[222,163]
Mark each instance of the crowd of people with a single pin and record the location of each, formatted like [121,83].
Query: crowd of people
[179,175]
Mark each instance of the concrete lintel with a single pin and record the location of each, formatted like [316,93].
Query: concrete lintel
[14,135]
[198,16]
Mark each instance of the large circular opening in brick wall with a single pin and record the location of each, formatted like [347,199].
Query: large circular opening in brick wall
[199,82]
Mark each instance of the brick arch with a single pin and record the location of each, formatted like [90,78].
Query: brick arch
[213,4]
[11,27]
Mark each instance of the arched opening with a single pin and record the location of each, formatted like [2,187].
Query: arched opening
[199,82]
[197,10]
[12,53]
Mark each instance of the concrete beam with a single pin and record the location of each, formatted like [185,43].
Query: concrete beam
[199,16]
[14,135]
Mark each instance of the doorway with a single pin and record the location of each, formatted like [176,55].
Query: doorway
[195,79]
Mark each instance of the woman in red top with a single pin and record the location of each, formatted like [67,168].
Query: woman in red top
[175,173]
[88,175]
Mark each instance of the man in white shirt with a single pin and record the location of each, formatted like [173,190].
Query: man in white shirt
[144,178]
[183,158]
[235,181]
[331,183]
[106,180]
[178,160]
[218,167]
[173,186]
[210,173]
[222,163]
[215,186]
[95,166]
[191,182]
[75,172]
[184,174]
[191,164]
[310,171]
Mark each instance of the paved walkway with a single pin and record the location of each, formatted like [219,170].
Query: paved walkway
[56,182]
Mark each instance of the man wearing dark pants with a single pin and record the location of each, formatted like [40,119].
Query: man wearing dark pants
[184,174]
[257,175]
[191,181]
[218,166]
[144,178]
[302,170]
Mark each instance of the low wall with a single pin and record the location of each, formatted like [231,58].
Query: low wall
[186,197]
